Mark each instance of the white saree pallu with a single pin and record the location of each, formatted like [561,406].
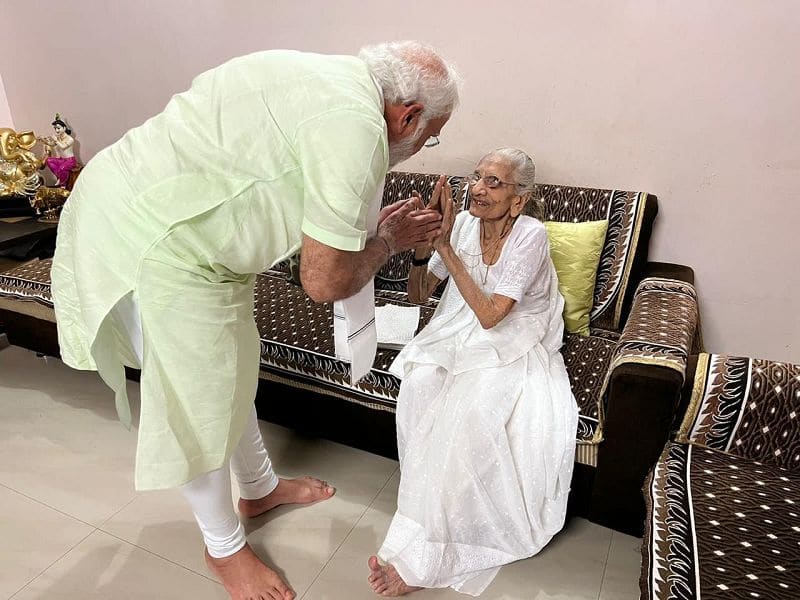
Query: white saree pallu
[354,336]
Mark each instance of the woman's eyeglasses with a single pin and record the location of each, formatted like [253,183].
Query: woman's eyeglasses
[490,181]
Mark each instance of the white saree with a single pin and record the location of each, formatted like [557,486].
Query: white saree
[486,422]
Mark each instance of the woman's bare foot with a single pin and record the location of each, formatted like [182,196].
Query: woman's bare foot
[303,490]
[245,577]
[386,581]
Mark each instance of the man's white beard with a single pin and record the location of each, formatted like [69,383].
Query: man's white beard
[401,151]
[404,149]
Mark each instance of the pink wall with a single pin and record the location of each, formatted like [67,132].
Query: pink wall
[5,110]
[695,102]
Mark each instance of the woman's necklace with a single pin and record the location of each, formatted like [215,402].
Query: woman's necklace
[487,255]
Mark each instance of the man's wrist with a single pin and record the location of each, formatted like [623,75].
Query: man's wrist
[387,245]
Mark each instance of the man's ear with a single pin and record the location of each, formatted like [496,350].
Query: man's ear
[402,119]
[410,113]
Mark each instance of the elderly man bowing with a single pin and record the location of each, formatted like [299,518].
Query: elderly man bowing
[160,242]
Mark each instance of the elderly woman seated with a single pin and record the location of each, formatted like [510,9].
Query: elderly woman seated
[486,420]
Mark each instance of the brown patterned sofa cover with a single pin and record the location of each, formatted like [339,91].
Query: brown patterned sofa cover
[724,499]
[628,371]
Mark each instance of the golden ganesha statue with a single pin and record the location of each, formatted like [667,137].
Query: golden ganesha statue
[19,167]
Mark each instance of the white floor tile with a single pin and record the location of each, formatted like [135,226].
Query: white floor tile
[296,540]
[22,369]
[33,537]
[571,566]
[621,578]
[60,440]
[104,567]
[62,445]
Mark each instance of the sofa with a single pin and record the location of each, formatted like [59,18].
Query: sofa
[723,499]
[626,375]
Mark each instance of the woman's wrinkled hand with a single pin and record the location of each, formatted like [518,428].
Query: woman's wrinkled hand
[443,200]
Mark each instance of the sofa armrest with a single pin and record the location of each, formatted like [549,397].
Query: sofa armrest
[680,273]
[642,389]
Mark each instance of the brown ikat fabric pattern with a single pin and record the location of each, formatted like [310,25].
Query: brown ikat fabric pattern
[661,325]
[587,360]
[28,282]
[720,527]
[748,407]
[297,344]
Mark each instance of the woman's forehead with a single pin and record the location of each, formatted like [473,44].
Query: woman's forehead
[495,166]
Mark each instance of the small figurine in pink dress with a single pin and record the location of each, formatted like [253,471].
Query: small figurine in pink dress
[60,158]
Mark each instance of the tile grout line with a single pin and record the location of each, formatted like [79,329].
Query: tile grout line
[605,565]
[95,529]
[115,513]
[32,499]
[346,537]
[47,568]
[156,554]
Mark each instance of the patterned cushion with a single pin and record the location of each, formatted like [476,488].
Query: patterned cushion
[297,348]
[748,407]
[575,251]
[720,526]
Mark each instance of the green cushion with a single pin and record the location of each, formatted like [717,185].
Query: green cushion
[575,249]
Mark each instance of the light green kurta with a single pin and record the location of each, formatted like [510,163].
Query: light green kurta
[183,211]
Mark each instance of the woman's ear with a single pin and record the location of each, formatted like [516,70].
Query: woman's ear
[518,204]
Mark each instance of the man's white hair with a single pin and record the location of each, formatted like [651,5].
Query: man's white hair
[413,72]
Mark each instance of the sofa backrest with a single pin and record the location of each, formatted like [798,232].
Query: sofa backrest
[630,218]
[746,406]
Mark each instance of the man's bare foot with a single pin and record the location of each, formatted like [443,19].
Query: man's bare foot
[245,577]
[386,581]
[303,490]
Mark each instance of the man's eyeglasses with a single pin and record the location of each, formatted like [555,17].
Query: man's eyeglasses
[432,141]
[490,181]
